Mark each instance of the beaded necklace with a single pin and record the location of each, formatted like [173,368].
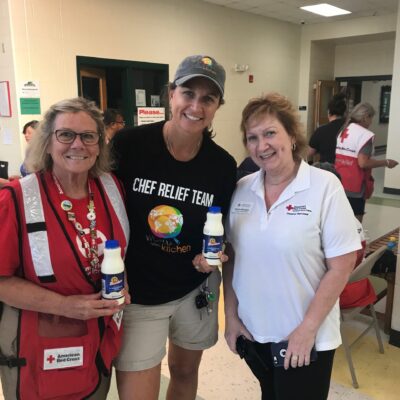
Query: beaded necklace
[91,249]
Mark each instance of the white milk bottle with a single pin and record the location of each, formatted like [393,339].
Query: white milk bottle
[213,238]
[112,273]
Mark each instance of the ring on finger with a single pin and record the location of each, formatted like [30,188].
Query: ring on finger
[295,358]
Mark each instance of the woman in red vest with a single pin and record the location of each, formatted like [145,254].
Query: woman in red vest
[354,162]
[57,336]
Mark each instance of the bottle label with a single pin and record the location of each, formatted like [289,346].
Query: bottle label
[212,247]
[112,286]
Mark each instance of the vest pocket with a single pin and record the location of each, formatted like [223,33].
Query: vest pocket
[66,367]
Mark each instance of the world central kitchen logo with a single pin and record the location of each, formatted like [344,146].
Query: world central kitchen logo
[297,210]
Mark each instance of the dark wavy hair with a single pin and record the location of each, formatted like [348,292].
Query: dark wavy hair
[337,105]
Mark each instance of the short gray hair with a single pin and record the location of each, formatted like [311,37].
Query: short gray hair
[39,160]
[360,112]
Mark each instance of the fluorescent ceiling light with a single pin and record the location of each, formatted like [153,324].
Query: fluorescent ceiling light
[325,9]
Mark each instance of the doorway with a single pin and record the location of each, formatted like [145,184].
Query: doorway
[113,84]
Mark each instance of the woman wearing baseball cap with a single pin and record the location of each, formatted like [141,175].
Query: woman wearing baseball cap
[172,172]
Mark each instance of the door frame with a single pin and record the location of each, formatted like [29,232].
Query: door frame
[100,74]
[128,95]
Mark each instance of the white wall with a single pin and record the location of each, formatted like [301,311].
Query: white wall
[392,176]
[52,33]
[9,127]
[350,29]
[322,61]
[362,59]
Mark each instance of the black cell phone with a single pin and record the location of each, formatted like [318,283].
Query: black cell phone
[278,352]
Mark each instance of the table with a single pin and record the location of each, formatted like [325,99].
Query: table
[389,277]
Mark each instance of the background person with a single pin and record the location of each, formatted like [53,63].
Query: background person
[323,140]
[292,250]
[54,224]
[114,121]
[172,172]
[28,131]
[246,167]
[354,162]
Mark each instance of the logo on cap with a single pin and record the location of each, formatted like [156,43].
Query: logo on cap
[206,60]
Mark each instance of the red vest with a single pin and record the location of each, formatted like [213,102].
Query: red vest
[349,143]
[63,357]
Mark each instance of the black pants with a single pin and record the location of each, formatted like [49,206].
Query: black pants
[309,382]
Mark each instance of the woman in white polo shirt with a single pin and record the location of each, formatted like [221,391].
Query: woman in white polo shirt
[292,247]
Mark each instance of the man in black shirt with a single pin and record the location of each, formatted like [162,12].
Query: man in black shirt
[323,140]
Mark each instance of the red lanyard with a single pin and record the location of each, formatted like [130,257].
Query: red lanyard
[91,250]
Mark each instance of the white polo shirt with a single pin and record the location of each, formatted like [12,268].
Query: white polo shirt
[280,254]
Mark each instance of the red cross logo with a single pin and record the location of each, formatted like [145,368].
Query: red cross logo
[289,207]
[344,135]
[50,359]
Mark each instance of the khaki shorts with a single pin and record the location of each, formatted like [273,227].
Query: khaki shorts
[146,328]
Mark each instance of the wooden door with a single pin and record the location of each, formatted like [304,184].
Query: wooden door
[94,85]
[324,91]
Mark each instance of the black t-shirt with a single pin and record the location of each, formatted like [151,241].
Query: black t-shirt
[246,167]
[167,202]
[324,138]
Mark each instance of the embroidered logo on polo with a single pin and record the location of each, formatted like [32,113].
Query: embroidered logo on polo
[297,210]
[65,357]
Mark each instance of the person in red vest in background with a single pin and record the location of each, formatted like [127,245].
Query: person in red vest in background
[360,293]
[354,162]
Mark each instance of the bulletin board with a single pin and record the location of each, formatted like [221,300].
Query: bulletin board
[5,101]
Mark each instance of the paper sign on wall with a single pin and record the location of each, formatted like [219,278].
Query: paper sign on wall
[29,93]
[140,95]
[148,115]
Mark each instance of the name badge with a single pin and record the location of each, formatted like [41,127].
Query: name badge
[66,357]
[242,207]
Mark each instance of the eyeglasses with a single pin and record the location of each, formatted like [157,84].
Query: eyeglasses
[119,122]
[67,136]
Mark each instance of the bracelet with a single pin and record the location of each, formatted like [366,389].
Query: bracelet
[387,163]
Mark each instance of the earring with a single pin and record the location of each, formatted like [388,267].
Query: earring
[294,146]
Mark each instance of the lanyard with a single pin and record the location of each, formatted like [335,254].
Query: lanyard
[91,249]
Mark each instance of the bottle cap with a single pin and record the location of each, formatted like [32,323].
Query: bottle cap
[214,209]
[112,244]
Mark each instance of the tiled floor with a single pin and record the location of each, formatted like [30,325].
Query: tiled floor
[223,376]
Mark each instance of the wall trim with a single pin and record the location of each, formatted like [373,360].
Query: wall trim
[391,190]
[364,78]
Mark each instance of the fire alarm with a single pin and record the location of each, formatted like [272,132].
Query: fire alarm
[251,78]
